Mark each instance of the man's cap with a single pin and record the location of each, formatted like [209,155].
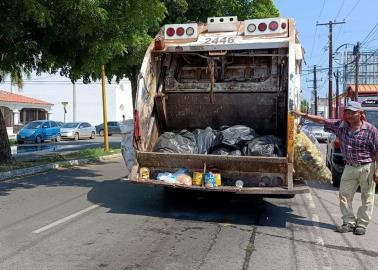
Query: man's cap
[353,106]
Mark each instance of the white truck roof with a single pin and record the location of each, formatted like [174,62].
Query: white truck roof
[226,33]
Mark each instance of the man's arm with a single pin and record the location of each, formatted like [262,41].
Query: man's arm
[311,117]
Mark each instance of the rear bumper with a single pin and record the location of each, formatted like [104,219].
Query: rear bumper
[281,190]
[68,136]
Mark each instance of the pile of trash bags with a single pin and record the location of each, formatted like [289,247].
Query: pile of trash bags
[308,161]
[237,140]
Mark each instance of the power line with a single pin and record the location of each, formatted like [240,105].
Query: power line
[353,8]
[316,31]
[371,34]
[341,7]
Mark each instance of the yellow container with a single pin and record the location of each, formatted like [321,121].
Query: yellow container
[197,178]
[144,173]
[218,179]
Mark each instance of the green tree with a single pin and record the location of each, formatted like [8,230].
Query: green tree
[305,106]
[264,9]
[181,11]
[75,37]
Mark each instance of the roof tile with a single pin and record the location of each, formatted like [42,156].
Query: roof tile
[10,97]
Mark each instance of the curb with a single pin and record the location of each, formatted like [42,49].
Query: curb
[50,166]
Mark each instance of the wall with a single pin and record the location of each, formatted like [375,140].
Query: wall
[56,89]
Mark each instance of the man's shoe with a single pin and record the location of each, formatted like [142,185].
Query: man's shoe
[359,230]
[346,227]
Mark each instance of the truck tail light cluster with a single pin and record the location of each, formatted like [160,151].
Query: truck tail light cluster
[181,31]
[265,26]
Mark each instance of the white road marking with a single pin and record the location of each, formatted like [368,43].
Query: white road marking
[318,237]
[65,219]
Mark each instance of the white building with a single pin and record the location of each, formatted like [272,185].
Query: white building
[55,90]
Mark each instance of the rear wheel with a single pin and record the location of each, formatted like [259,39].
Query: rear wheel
[58,138]
[76,136]
[38,139]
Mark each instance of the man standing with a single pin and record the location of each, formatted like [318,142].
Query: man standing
[359,145]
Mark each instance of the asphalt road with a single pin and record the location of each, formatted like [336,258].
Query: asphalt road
[86,218]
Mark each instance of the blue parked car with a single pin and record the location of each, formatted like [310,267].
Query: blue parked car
[39,131]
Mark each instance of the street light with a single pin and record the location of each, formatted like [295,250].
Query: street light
[64,103]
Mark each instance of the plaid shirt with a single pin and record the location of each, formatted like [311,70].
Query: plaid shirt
[358,147]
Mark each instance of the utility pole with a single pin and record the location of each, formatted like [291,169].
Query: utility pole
[104,112]
[330,52]
[337,76]
[64,103]
[315,91]
[74,101]
[356,52]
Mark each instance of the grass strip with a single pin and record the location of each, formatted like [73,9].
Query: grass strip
[82,154]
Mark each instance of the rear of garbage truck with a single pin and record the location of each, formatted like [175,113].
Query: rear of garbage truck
[222,74]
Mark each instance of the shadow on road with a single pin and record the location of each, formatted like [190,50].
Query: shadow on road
[80,177]
[123,198]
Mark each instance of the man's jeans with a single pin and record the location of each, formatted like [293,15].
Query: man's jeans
[350,180]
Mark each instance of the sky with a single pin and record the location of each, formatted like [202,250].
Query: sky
[360,18]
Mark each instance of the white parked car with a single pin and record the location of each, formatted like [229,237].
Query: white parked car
[78,130]
[317,130]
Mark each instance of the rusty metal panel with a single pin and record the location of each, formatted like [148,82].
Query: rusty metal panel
[226,163]
[297,189]
[194,110]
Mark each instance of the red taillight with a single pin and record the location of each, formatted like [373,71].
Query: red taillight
[262,27]
[180,31]
[337,143]
[283,25]
[273,26]
[170,31]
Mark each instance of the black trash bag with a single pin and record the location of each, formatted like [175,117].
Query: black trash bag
[225,150]
[222,150]
[206,139]
[232,136]
[268,146]
[183,142]
[235,153]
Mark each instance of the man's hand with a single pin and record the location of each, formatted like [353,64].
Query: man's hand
[297,112]
[375,178]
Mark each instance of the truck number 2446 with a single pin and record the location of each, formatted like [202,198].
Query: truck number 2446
[219,40]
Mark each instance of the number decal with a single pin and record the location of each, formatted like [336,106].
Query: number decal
[219,40]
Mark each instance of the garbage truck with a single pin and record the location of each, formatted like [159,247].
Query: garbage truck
[224,72]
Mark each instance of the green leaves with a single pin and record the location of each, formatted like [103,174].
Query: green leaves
[181,11]
[74,37]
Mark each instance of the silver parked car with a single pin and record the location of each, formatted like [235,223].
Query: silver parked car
[317,130]
[78,130]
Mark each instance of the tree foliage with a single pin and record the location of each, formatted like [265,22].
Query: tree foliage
[264,9]
[76,37]
[305,106]
[198,10]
